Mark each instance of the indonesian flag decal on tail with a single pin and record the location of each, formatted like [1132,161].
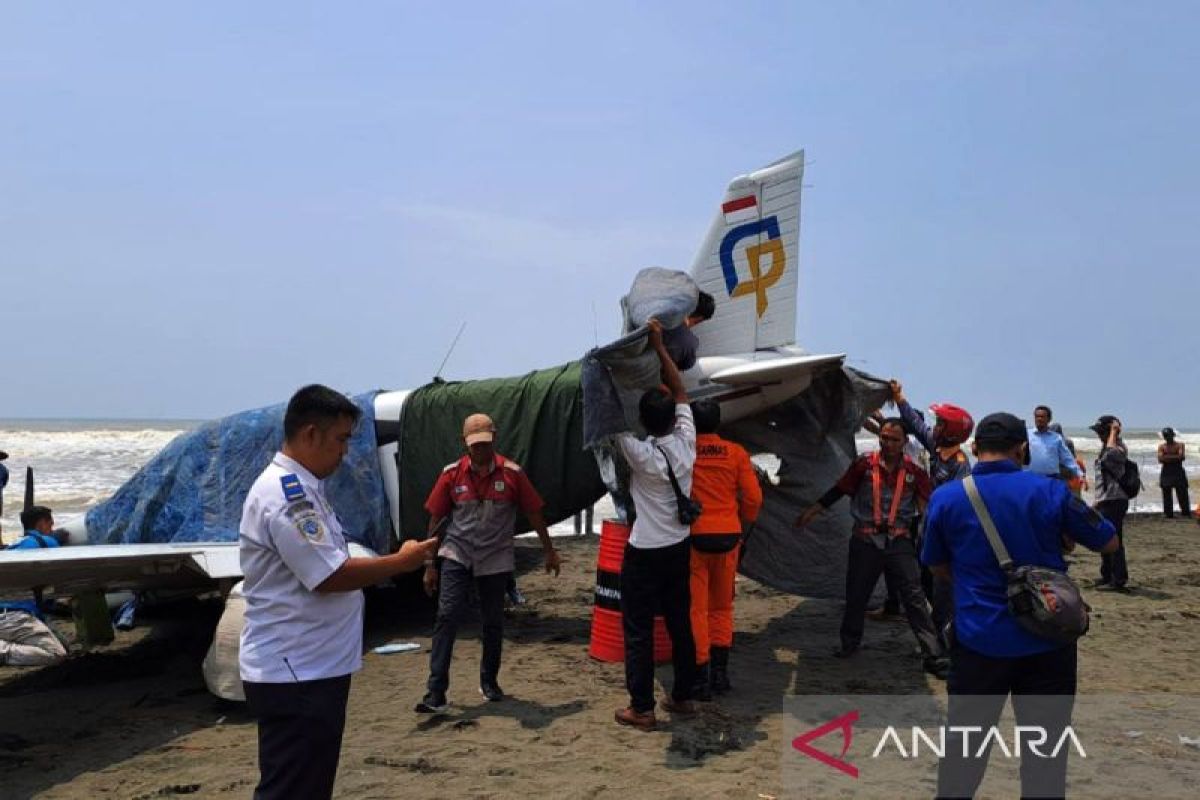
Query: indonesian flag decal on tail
[740,209]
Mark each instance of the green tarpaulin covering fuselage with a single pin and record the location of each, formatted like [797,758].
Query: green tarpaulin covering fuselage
[539,425]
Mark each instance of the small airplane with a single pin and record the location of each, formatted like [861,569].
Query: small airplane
[748,362]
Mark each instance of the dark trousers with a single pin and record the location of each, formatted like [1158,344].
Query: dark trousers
[1043,694]
[898,560]
[657,581]
[1113,568]
[454,601]
[1182,493]
[299,736]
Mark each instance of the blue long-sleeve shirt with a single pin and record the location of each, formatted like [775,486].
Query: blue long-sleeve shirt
[941,470]
[1048,455]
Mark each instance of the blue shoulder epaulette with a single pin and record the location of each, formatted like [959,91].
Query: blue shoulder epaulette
[292,490]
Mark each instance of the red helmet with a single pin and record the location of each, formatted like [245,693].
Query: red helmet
[956,423]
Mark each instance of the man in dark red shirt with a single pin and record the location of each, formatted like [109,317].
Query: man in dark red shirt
[479,495]
[887,490]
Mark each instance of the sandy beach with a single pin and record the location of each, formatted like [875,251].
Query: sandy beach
[133,720]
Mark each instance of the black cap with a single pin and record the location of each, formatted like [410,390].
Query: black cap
[1002,429]
[3,455]
[1168,433]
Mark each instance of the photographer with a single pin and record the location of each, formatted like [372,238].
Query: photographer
[1112,500]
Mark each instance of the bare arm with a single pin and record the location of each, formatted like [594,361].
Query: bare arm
[358,573]
[538,521]
[670,372]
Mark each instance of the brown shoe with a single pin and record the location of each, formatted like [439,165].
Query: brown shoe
[643,720]
[680,707]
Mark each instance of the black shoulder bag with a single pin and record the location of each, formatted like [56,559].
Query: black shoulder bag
[687,509]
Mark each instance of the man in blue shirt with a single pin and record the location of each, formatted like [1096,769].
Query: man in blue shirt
[1048,453]
[992,654]
[25,639]
[38,522]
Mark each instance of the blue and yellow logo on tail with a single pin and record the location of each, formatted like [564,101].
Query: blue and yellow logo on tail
[760,280]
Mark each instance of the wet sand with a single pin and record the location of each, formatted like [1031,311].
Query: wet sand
[133,720]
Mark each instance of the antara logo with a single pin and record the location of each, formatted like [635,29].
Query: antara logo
[760,279]
[975,741]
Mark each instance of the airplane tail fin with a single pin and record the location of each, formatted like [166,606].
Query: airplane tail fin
[749,261]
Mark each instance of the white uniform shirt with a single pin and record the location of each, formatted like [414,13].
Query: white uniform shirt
[657,523]
[291,541]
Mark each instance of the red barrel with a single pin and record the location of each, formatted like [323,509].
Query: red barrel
[608,638]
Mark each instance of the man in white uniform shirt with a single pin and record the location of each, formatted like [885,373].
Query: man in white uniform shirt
[656,571]
[303,624]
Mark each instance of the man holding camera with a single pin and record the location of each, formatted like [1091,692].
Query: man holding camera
[1112,499]
[657,569]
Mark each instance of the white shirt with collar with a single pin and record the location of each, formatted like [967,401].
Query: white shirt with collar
[291,541]
[657,523]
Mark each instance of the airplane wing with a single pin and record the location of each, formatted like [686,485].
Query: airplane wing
[113,567]
[775,370]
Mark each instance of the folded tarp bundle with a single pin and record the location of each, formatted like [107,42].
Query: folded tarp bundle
[194,489]
[615,376]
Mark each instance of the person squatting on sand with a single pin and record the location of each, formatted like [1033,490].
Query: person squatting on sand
[992,654]
[887,491]
[1173,477]
[477,499]
[726,486]
[303,631]
[1111,499]
[25,638]
[656,571]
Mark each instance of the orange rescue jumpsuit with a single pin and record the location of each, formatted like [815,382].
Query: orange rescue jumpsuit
[725,484]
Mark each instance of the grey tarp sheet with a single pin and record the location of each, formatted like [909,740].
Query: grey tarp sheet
[616,375]
[193,490]
[813,436]
[539,424]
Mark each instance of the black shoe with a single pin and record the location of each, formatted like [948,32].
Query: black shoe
[432,703]
[491,690]
[720,671]
[845,652]
[1100,584]
[938,667]
[701,690]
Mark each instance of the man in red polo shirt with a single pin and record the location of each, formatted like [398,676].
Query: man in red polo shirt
[887,490]
[480,494]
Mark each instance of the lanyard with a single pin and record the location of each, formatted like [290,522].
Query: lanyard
[877,493]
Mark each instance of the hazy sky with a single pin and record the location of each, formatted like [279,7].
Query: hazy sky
[203,207]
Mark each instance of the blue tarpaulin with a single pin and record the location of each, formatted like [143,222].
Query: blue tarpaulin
[193,490]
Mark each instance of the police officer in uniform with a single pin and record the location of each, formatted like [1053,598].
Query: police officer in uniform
[303,624]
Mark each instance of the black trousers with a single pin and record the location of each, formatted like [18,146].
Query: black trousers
[454,601]
[1182,493]
[1113,568]
[299,736]
[898,560]
[1043,694]
[657,581]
